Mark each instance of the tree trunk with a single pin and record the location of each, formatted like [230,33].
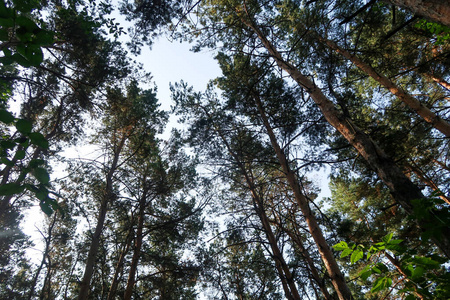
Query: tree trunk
[402,189]
[428,181]
[276,253]
[423,111]
[337,278]
[433,10]
[137,246]
[285,275]
[108,196]
[48,240]
[295,237]
[119,266]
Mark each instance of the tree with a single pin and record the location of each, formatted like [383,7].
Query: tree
[431,9]
[242,21]
[124,117]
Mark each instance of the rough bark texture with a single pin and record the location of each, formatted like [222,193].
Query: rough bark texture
[423,111]
[433,10]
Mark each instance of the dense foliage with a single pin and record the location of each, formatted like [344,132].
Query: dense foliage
[226,207]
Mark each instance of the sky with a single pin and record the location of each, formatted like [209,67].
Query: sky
[169,62]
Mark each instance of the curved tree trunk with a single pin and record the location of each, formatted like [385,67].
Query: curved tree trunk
[433,10]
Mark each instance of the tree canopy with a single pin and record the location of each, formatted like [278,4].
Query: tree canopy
[226,205]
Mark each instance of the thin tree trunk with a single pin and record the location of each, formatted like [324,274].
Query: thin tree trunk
[440,81]
[295,237]
[282,268]
[93,250]
[278,256]
[402,189]
[137,246]
[119,266]
[397,265]
[337,278]
[433,10]
[423,111]
[425,179]
[44,255]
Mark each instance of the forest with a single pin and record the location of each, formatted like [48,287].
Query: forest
[225,205]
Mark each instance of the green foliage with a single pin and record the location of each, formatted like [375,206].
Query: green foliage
[13,150]
[419,273]
[21,36]
[439,31]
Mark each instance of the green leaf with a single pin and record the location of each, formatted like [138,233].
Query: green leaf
[346,252]
[54,204]
[7,162]
[34,163]
[41,175]
[46,208]
[395,242]
[6,116]
[426,261]
[417,273]
[24,126]
[376,270]
[38,139]
[10,189]
[365,275]
[40,192]
[20,154]
[381,284]
[366,272]
[382,267]
[387,238]
[410,297]
[7,144]
[356,255]
[340,246]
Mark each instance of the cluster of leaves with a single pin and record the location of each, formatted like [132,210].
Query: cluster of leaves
[13,149]
[417,271]
[439,31]
[21,36]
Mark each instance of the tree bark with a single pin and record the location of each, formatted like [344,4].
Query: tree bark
[402,189]
[428,181]
[337,278]
[93,250]
[423,111]
[276,253]
[137,246]
[290,289]
[119,266]
[433,10]
[295,237]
